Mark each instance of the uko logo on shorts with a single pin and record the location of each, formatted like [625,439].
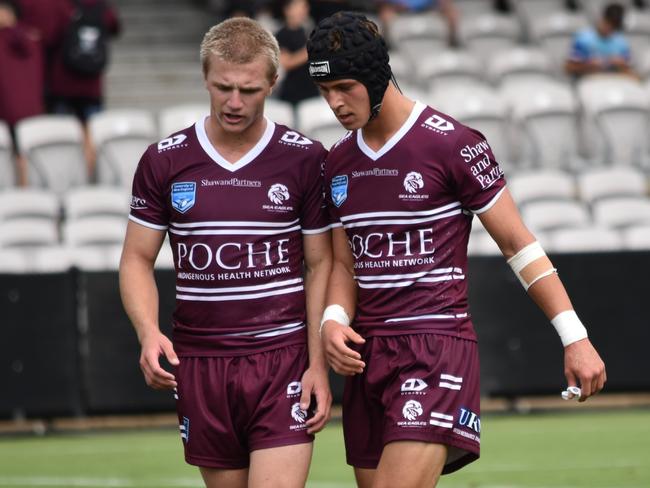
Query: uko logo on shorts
[414,385]
[183,196]
[294,388]
[185,430]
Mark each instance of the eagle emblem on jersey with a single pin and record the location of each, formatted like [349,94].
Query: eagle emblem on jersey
[413,182]
[412,410]
[298,414]
[278,193]
[183,196]
[339,188]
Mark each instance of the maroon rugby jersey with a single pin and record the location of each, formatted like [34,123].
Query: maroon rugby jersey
[236,234]
[407,212]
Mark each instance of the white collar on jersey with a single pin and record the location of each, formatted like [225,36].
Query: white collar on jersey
[415,113]
[245,159]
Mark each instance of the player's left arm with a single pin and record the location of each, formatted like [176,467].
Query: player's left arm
[582,365]
[318,264]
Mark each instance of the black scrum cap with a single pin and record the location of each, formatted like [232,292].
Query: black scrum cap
[348,45]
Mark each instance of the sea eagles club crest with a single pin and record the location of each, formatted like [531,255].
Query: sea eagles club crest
[339,187]
[183,196]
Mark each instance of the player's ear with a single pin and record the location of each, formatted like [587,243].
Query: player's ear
[272,83]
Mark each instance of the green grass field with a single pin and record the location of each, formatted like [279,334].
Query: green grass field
[608,449]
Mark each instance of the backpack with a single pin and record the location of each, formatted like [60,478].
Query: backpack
[85,44]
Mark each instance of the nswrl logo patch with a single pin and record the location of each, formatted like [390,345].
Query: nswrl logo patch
[339,187]
[183,196]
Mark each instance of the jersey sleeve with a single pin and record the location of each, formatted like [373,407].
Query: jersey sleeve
[580,51]
[148,196]
[313,217]
[476,177]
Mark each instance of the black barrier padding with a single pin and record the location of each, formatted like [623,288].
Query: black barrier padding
[113,381]
[520,350]
[39,346]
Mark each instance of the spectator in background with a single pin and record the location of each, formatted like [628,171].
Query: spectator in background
[72,91]
[21,73]
[603,48]
[292,38]
[388,9]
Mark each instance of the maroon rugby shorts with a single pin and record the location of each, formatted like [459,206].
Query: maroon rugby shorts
[418,387]
[230,406]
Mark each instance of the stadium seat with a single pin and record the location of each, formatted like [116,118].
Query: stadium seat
[51,259]
[100,230]
[22,203]
[316,120]
[483,109]
[598,183]
[545,111]
[485,35]
[585,239]
[89,201]
[14,261]
[89,257]
[177,117]
[279,111]
[622,211]
[28,232]
[472,8]
[521,63]
[617,106]
[120,136]
[545,184]
[637,32]
[7,165]
[553,31]
[52,145]
[550,215]
[417,35]
[449,68]
[636,238]
[404,69]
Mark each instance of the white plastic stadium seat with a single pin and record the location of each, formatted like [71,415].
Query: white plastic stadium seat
[519,63]
[403,68]
[622,212]
[53,147]
[450,67]
[51,259]
[14,261]
[279,111]
[88,201]
[28,232]
[417,35]
[177,117]
[539,185]
[551,215]
[7,165]
[102,230]
[474,7]
[545,111]
[599,183]
[636,238]
[120,136]
[553,31]
[21,203]
[586,239]
[618,108]
[485,35]
[317,121]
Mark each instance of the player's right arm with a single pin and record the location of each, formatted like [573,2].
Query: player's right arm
[140,299]
[341,291]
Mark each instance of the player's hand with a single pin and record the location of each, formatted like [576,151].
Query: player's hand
[155,345]
[341,358]
[584,368]
[315,382]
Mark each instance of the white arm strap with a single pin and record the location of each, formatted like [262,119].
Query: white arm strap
[569,327]
[335,313]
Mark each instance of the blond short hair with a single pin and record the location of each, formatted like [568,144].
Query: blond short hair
[240,40]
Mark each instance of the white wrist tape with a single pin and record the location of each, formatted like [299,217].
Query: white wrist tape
[569,327]
[335,313]
[522,264]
